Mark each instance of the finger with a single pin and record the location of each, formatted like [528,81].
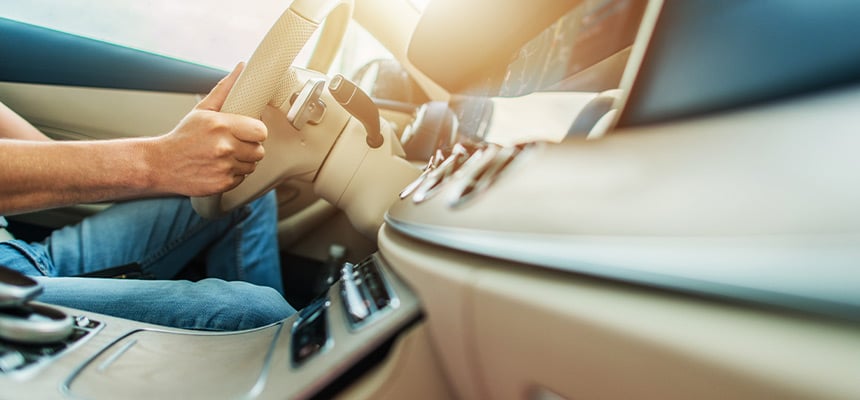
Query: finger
[244,168]
[237,179]
[215,99]
[248,129]
[249,152]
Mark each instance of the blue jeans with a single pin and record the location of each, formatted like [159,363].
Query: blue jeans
[243,289]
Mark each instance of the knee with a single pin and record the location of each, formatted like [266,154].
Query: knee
[241,305]
[261,306]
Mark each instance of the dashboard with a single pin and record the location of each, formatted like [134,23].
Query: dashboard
[637,187]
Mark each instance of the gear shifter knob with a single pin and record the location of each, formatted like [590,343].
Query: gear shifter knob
[16,288]
[359,104]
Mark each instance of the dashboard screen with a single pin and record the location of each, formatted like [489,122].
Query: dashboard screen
[589,33]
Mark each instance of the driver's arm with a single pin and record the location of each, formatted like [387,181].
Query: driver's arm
[208,152]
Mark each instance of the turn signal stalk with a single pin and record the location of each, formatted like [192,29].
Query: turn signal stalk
[359,104]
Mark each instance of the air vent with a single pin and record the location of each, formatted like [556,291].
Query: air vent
[429,182]
[469,172]
[486,168]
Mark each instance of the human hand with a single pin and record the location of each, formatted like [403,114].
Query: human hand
[208,152]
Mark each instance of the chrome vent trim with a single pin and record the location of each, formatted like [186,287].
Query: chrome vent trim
[470,171]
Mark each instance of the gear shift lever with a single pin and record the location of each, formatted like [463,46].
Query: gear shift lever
[24,322]
[16,288]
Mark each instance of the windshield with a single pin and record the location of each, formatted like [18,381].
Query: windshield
[216,33]
[539,93]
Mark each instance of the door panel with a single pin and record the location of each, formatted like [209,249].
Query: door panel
[74,87]
[70,112]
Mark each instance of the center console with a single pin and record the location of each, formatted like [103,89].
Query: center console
[353,329]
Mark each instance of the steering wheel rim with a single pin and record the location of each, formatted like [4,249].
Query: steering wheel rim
[269,79]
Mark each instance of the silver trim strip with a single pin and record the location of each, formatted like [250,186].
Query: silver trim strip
[259,385]
[267,365]
[115,356]
[812,273]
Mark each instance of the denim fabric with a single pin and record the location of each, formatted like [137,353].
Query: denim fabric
[163,235]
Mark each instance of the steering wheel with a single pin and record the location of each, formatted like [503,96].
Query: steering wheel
[270,79]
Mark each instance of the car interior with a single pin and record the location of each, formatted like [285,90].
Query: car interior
[543,199]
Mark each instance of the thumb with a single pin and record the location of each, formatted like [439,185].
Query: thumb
[215,99]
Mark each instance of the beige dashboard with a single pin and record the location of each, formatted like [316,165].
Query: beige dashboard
[684,260]
[504,330]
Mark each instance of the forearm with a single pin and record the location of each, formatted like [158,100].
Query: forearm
[208,152]
[39,175]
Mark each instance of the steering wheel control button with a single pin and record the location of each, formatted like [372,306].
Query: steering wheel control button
[306,107]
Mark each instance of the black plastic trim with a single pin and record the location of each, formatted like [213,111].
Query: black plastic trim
[34,54]
[365,364]
[709,56]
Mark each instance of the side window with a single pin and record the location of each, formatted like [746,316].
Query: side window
[359,48]
[217,33]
